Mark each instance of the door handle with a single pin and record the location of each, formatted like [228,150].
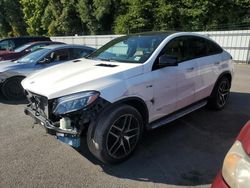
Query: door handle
[190,69]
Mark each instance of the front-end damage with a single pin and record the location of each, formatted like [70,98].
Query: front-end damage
[67,127]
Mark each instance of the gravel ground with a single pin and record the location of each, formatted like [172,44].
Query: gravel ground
[186,153]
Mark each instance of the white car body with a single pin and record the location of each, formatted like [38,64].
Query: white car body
[132,83]
[164,91]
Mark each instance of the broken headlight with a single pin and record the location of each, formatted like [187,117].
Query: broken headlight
[74,102]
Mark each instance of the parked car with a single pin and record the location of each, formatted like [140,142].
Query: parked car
[13,72]
[23,50]
[236,167]
[132,83]
[15,42]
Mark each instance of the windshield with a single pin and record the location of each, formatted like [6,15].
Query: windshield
[21,48]
[34,56]
[131,49]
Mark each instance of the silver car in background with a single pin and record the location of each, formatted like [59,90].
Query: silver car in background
[13,72]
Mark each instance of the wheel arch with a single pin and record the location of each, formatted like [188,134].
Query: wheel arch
[135,102]
[10,75]
[225,74]
[138,104]
[4,87]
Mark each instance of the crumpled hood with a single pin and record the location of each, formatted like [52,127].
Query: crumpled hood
[78,76]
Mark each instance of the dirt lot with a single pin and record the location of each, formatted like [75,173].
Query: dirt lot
[186,153]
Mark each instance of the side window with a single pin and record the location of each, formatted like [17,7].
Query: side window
[177,48]
[197,47]
[78,53]
[33,48]
[213,48]
[7,45]
[58,55]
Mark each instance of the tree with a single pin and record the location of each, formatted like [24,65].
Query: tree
[61,18]
[11,20]
[139,17]
[33,12]
[98,15]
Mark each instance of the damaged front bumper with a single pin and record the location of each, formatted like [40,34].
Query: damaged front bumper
[68,136]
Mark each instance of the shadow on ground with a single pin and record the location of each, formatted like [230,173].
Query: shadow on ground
[189,151]
[12,102]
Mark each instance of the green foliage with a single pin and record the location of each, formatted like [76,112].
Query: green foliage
[61,17]
[98,15]
[33,12]
[11,20]
[140,16]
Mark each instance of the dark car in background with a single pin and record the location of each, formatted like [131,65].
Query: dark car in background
[24,49]
[15,42]
[13,72]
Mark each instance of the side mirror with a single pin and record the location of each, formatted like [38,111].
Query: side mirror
[166,60]
[44,61]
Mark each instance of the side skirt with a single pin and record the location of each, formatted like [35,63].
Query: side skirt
[176,115]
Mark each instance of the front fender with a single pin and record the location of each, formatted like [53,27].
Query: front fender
[6,75]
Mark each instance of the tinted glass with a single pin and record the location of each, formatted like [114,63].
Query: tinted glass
[177,48]
[21,48]
[58,55]
[79,53]
[35,47]
[132,49]
[213,48]
[34,56]
[197,47]
[7,45]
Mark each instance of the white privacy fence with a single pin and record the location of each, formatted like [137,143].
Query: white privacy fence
[95,41]
[237,43]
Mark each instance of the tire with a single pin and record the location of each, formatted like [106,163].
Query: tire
[115,134]
[220,94]
[12,88]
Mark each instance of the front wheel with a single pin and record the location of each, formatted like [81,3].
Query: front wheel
[220,94]
[12,88]
[116,134]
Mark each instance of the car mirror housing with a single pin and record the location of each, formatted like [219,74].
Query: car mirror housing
[44,61]
[166,60]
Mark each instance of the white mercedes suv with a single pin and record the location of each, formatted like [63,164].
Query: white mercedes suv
[131,84]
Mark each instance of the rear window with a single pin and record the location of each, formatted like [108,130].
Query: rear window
[213,48]
[197,47]
[79,52]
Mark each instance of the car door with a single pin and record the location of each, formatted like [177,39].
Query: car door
[186,71]
[208,56]
[164,90]
[174,85]
[53,58]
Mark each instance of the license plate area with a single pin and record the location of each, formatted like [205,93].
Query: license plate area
[71,140]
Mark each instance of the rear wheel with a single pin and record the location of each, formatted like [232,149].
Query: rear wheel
[12,88]
[116,134]
[220,94]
